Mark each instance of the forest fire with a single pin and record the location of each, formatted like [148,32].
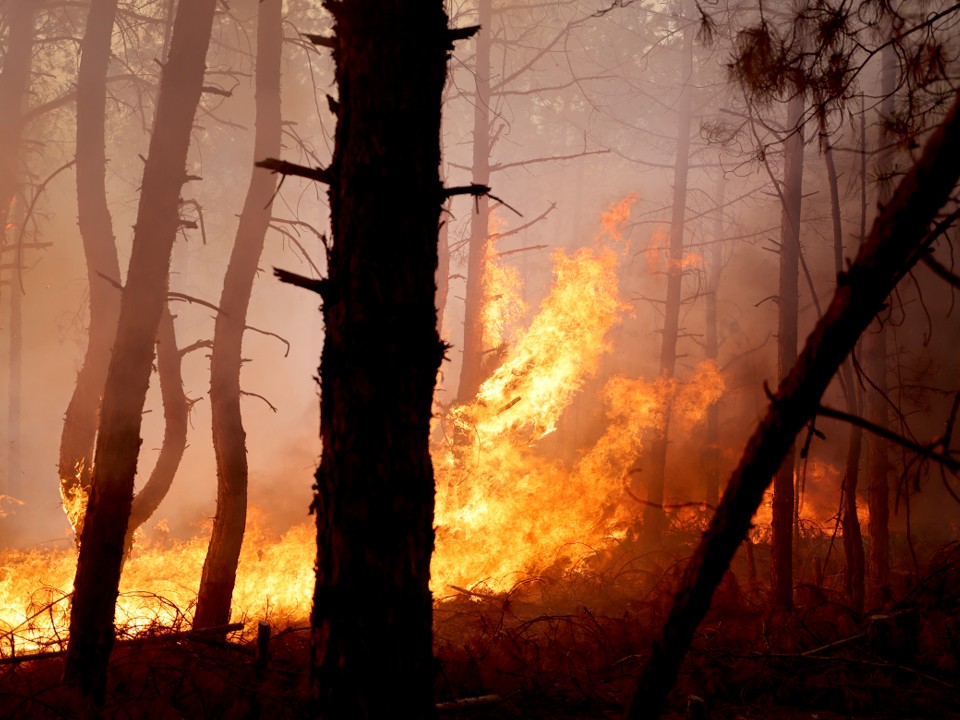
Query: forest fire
[699,454]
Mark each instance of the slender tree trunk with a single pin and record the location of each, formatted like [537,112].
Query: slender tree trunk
[654,518]
[14,82]
[783,490]
[875,367]
[176,410]
[15,386]
[100,252]
[220,565]
[711,453]
[896,242]
[372,609]
[853,575]
[144,295]
[471,370]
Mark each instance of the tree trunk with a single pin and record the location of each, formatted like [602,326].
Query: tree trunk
[176,410]
[654,518]
[471,369]
[897,240]
[875,367]
[223,554]
[853,575]
[372,610]
[100,252]
[783,491]
[14,82]
[144,295]
[711,452]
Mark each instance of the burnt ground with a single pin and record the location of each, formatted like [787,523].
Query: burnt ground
[569,647]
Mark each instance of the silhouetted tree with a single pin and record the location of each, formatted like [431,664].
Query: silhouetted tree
[372,609]
[220,564]
[144,295]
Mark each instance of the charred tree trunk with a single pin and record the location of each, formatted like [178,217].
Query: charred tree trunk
[471,370]
[853,575]
[711,453]
[144,295]
[99,247]
[875,367]
[176,411]
[781,566]
[654,518]
[897,240]
[371,643]
[223,554]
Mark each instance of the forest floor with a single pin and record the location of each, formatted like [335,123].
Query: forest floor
[570,648]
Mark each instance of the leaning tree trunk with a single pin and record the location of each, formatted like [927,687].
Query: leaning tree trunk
[100,251]
[144,295]
[471,369]
[371,641]
[654,518]
[875,367]
[223,554]
[781,566]
[898,239]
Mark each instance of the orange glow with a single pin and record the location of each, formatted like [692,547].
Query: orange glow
[506,505]
[503,304]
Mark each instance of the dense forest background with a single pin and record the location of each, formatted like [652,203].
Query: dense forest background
[648,207]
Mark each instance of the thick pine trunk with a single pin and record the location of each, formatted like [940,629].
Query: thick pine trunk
[100,252]
[895,243]
[143,299]
[654,518]
[781,566]
[471,369]
[223,554]
[372,635]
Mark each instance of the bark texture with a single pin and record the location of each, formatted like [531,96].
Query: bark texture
[897,240]
[143,299]
[372,635]
[223,554]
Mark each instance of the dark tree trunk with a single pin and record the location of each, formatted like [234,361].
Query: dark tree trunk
[654,518]
[711,452]
[143,299]
[220,565]
[99,247]
[14,81]
[781,566]
[176,410]
[372,609]
[471,369]
[895,243]
[875,367]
